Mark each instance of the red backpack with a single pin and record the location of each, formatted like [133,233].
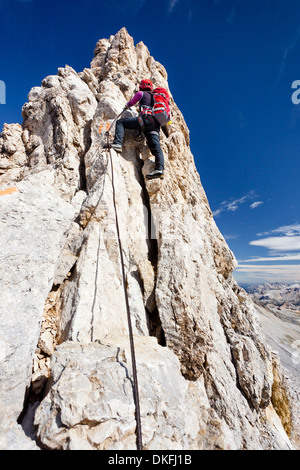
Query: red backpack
[161,107]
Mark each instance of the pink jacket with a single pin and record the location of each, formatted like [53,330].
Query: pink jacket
[137,97]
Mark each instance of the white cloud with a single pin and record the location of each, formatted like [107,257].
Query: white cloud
[233,205]
[279,243]
[284,247]
[288,230]
[280,273]
[230,237]
[288,239]
[285,230]
[256,204]
[217,212]
[283,257]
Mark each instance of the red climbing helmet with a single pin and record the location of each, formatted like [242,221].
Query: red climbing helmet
[146,85]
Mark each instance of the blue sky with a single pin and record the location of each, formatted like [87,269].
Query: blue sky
[231,65]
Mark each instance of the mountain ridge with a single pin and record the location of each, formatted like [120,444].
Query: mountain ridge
[278,294]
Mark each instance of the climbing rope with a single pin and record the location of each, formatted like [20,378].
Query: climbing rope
[134,371]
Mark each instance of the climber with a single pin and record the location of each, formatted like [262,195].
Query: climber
[145,123]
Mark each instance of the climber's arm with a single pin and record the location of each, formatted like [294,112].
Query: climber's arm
[135,99]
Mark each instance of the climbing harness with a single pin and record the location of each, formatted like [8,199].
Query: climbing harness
[134,370]
[146,110]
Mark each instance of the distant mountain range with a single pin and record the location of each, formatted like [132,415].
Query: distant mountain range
[276,294]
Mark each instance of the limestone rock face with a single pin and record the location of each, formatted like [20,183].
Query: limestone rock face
[205,371]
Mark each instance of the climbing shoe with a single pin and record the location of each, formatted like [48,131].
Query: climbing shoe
[116,147]
[155,174]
